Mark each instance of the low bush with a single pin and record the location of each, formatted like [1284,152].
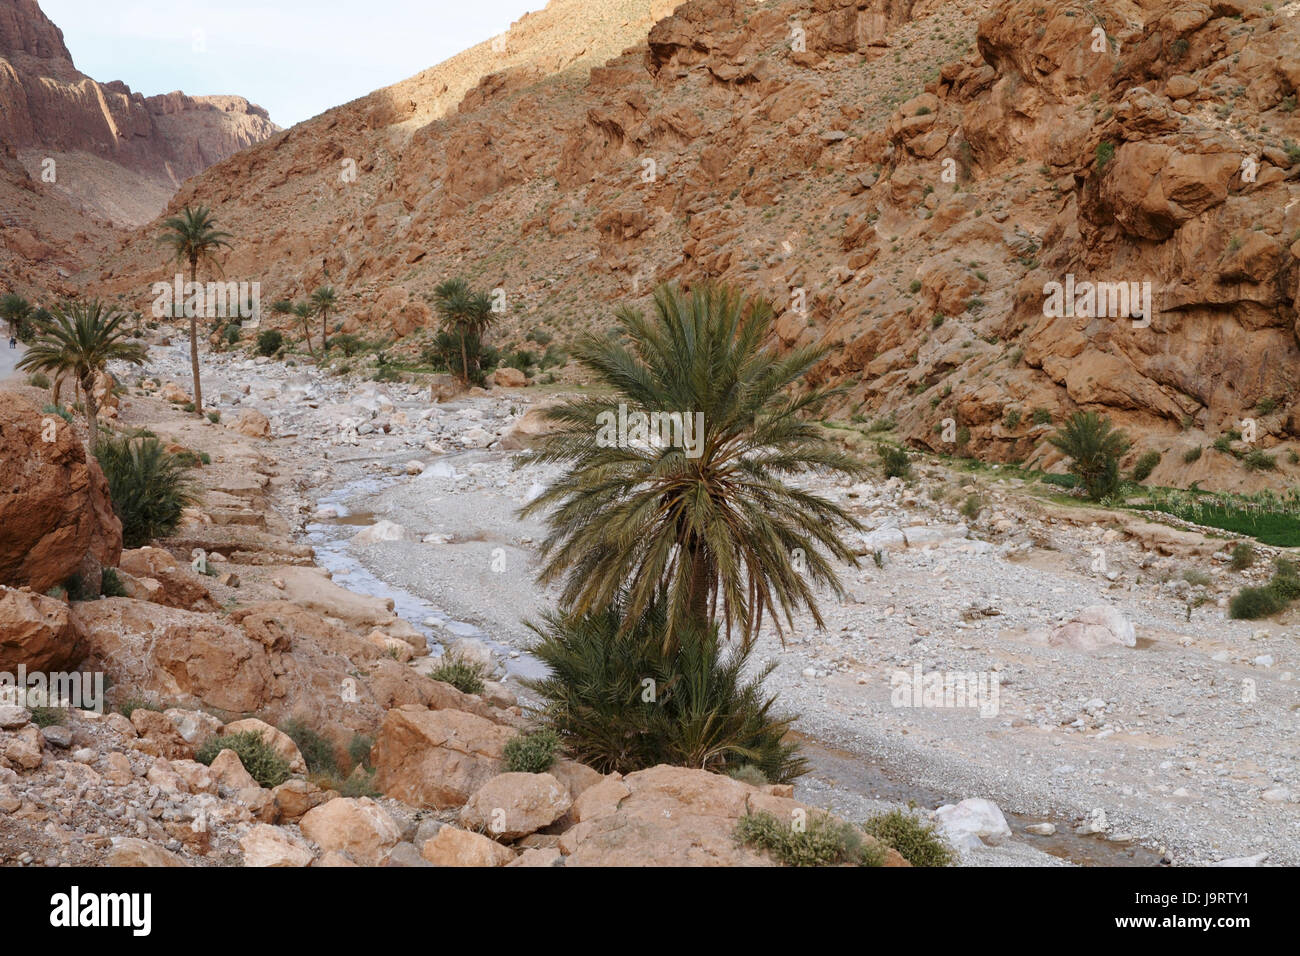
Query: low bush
[912,837]
[466,676]
[532,753]
[823,841]
[895,460]
[1145,465]
[259,758]
[269,341]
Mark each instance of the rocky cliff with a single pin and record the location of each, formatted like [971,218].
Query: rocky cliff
[921,184]
[97,155]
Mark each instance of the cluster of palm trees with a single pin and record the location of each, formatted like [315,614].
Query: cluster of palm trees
[320,303]
[685,551]
[20,316]
[467,316]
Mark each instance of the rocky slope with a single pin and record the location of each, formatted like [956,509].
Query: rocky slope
[902,178]
[94,155]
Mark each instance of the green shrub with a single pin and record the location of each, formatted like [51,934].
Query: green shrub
[1042,416]
[38,380]
[347,343]
[465,676]
[1145,465]
[619,700]
[1094,449]
[1197,578]
[1192,454]
[359,750]
[214,417]
[532,753]
[895,460]
[1011,420]
[269,341]
[231,334]
[748,773]
[1256,460]
[134,702]
[912,837]
[259,758]
[1249,604]
[49,716]
[1105,153]
[58,410]
[110,585]
[317,752]
[147,486]
[1243,555]
[823,841]
[972,507]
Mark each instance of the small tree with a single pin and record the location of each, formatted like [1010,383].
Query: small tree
[305,312]
[79,340]
[15,310]
[1094,447]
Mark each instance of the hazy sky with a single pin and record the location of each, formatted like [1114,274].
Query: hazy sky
[297,58]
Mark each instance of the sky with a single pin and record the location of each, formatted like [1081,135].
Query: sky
[296,58]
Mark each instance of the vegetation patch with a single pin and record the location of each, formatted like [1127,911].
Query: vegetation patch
[821,841]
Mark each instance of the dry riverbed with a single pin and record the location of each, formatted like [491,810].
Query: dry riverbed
[1182,745]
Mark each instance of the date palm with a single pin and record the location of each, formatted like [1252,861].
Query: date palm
[304,313]
[193,237]
[323,302]
[722,531]
[1094,447]
[79,339]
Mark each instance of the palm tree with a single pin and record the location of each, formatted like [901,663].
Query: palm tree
[708,525]
[79,340]
[193,236]
[15,310]
[324,301]
[285,307]
[1095,448]
[467,315]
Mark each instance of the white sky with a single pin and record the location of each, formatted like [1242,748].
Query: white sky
[297,58]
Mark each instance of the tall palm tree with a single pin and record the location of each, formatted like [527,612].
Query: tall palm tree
[714,527]
[193,236]
[286,307]
[15,310]
[324,301]
[467,315]
[79,339]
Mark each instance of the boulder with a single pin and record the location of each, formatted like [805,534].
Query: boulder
[294,798]
[971,822]
[358,826]
[181,586]
[437,758]
[507,377]
[1094,627]
[513,805]
[312,589]
[266,845]
[252,423]
[229,774]
[129,851]
[165,653]
[56,519]
[37,632]
[160,733]
[453,847]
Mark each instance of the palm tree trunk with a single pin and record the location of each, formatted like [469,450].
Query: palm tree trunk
[92,410]
[324,333]
[464,359]
[194,346]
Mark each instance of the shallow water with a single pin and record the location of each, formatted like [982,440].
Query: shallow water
[330,538]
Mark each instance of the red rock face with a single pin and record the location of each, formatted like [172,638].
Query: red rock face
[55,515]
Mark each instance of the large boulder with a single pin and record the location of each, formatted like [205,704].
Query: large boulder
[514,805]
[356,826]
[181,586]
[36,632]
[252,423]
[56,519]
[164,653]
[265,845]
[437,758]
[453,847]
